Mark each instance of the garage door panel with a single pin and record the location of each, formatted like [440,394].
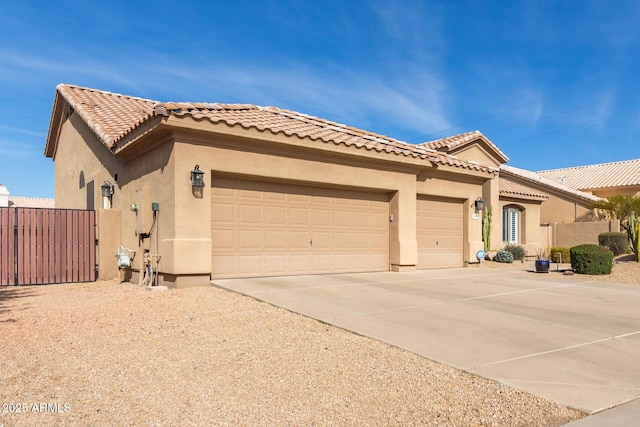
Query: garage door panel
[299,239]
[250,264]
[341,218]
[299,264]
[249,214]
[439,233]
[276,263]
[322,217]
[321,240]
[275,215]
[266,228]
[299,216]
[275,239]
[223,213]
[223,239]
[250,239]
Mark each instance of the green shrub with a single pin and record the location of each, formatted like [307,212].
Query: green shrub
[553,257]
[517,251]
[618,243]
[503,256]
[591,259]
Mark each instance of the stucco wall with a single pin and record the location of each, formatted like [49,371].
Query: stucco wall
[476,153]
[557,209]
[82,164]
[572,234]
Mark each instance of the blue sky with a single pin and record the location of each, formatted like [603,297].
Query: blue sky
[552,83]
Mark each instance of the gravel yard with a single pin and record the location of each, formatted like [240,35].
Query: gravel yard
[115,354]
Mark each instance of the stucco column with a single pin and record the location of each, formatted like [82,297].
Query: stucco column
[403,246]
[491,196]
[188,261]
[109,239]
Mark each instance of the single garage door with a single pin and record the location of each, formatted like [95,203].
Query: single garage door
[439,233]
[273,229]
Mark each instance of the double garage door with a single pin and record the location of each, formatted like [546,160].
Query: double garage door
[439,233]
[273,229]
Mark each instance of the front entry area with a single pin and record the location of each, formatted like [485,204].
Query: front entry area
[277,229]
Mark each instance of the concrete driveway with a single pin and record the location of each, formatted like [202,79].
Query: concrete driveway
[573,341]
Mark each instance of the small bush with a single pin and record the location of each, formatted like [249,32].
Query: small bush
[591,259]
[615,242]
[517,251]
[553,257]
[503,256]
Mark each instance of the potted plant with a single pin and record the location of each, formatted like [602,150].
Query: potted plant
[542,261]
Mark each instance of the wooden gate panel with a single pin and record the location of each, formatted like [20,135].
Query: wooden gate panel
[42,246]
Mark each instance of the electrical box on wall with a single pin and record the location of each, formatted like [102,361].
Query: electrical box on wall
[144,215]
[155,206]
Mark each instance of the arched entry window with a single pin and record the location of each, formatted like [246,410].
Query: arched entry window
[511,224]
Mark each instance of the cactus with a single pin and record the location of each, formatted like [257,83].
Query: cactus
[486,227]
[632,227]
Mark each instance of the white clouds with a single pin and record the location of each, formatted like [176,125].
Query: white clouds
[12,129]
[410,100]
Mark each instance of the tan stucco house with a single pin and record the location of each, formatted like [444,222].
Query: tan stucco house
[285,193]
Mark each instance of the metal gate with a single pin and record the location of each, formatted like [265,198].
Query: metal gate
[44,246]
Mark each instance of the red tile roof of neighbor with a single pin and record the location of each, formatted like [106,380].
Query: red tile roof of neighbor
[614,174]
[112,117]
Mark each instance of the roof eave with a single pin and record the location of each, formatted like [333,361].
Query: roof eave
[549,188]
[55,125]
[510,195]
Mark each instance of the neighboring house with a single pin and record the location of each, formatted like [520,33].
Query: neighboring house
[286,193]
[561,202]
[603,180]
[31,202]
[6,200]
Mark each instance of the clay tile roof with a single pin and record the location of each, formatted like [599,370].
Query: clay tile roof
[615,174]
[508,187]
[31,202]
[113,116]
[452,142]
[533,177]
[110,115]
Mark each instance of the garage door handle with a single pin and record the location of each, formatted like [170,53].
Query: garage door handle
[437,243]
[311,242]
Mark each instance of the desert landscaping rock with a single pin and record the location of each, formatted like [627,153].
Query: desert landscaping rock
[115,354]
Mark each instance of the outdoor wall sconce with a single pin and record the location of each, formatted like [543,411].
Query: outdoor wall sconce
[479,203]
[107,194]
[197,182]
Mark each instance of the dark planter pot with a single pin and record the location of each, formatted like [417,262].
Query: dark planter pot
[542,266]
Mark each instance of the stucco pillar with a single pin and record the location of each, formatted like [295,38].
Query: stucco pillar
[109,239]
[403,247]
[187,261]
[491,196]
